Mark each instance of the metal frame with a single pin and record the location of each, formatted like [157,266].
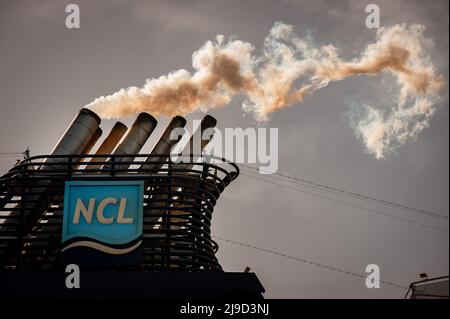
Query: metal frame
[413,292]
[179,200]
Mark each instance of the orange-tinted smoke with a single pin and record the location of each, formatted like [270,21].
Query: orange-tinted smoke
[288,70]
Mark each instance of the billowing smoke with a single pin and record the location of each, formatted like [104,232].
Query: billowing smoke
[288,69]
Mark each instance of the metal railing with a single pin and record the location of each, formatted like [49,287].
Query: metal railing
[179,200]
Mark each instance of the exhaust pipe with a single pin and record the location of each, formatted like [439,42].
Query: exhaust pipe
[192,147]
[195,152]
[90,145]
[76,138]
[108,145]
[163,146]
[134,140]
[75,141]
[79,138]
[93,140]
[78,135]
[207,122]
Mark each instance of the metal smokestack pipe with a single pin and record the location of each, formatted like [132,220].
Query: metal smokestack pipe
[207,122]
[79,138]
[108,144]
[74,141]
[76,138]
[192,148]
[164,145]
[195,152]
[112,139]
[136,137]
[93,140]
[78,135]
[91,144]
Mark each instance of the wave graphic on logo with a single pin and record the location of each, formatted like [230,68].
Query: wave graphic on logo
[109,249]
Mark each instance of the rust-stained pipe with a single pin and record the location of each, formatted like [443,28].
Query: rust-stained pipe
[108,144]
[90,145]
[93,140]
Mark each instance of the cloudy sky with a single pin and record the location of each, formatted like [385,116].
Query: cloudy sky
[48,72]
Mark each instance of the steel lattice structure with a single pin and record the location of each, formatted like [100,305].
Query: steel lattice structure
[179,200]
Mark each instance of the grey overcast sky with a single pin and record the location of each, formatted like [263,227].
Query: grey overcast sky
[48,72]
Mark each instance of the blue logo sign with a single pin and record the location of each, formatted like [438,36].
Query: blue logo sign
[106,216]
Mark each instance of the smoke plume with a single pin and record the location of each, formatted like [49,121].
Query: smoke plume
[289,69]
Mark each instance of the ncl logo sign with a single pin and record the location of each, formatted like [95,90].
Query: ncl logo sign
[105,216]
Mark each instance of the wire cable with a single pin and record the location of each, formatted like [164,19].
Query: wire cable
[313,263]
[351,194]
[346,203]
